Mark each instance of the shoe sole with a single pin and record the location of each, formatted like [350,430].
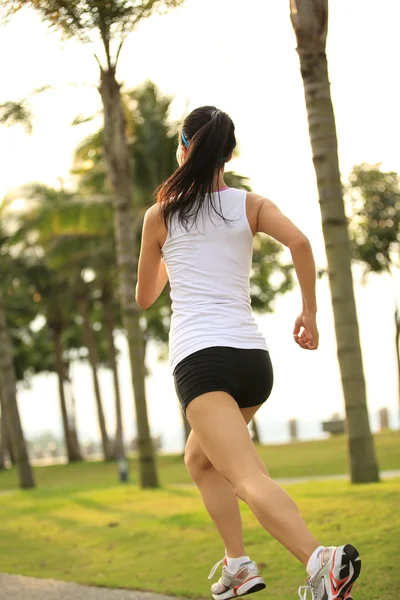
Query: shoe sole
[252,586]
[350,556]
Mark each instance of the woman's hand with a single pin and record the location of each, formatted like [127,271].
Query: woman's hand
[305,332]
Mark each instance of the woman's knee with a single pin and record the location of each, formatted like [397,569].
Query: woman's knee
[196,461]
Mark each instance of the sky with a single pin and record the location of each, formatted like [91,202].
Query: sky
[244,61]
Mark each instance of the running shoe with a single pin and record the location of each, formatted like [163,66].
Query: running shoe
[339,569]
[246,580]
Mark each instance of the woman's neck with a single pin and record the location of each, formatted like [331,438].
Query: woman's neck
[219,183]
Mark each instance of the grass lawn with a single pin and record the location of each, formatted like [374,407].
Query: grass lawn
[163,540]
[324,457]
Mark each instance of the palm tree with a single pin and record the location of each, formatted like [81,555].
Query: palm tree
[62,264]
[109,20]
[374,229]
[12,113]
[310,23]
[152,145]
[70,435]
[65,260]
[255,431]
[107,300]
[9,406]
[3,441]
[51,298]
[90,342]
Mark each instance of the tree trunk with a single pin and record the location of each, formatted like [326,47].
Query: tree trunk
[71,409]
[186,428]
[9,447]
[397,342]
[118,450]
[93,360]
[71,443]
[9,407]
[6,450]
[118,162]
[3,436]
[256,433]
[310,22]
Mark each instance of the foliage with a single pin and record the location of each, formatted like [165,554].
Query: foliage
[80,18]
[20,112]
[32,353]
[152,141]
[16,113]
[375,223]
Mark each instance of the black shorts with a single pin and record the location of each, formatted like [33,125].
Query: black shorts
[246,375]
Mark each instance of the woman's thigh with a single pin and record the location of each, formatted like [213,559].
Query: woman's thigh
[220,428]
[195,455]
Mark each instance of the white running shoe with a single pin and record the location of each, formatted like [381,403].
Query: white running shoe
[246,580]
[340,567]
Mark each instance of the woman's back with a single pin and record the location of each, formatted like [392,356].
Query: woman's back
[209,268]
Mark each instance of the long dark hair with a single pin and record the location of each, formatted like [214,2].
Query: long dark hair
[209,135]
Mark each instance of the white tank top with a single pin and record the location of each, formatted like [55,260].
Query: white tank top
[209,270]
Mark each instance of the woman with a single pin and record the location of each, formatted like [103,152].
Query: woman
[200,236]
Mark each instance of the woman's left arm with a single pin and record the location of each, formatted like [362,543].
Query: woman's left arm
[152,272]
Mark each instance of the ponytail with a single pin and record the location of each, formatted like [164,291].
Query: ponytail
[209,135]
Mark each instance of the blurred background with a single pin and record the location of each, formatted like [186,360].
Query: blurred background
[244,62]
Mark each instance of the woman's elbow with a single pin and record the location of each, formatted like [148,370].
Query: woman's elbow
[300,241]
[142,300]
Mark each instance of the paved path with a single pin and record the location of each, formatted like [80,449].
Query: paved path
[25,588]
[290,480]
[287,480]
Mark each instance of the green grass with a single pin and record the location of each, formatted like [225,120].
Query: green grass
[326,457]
[163,540]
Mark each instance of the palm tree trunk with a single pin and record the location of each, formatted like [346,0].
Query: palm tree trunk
[6,450]
[118,449]
[9,408]
[397,342]
[3,436]
[310,22]
[71,409]
[256,433]
[6,434]
[71,443]
[186,428]
[118,163]
[9,446]
[93,360]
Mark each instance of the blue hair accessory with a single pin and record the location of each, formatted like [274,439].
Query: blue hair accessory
[184,140]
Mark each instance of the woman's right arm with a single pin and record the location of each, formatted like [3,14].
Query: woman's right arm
[271,221]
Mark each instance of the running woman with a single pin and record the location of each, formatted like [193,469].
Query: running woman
[199,234]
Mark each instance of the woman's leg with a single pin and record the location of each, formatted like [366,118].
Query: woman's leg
[217,493]
[223,435]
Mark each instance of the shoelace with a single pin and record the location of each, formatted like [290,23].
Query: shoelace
[304,589]
[215,567]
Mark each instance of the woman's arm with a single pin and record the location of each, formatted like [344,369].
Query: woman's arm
[271,221]
[152,272]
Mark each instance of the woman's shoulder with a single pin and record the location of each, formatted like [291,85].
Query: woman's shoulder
[254,202]
[155,222]
[153,215]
